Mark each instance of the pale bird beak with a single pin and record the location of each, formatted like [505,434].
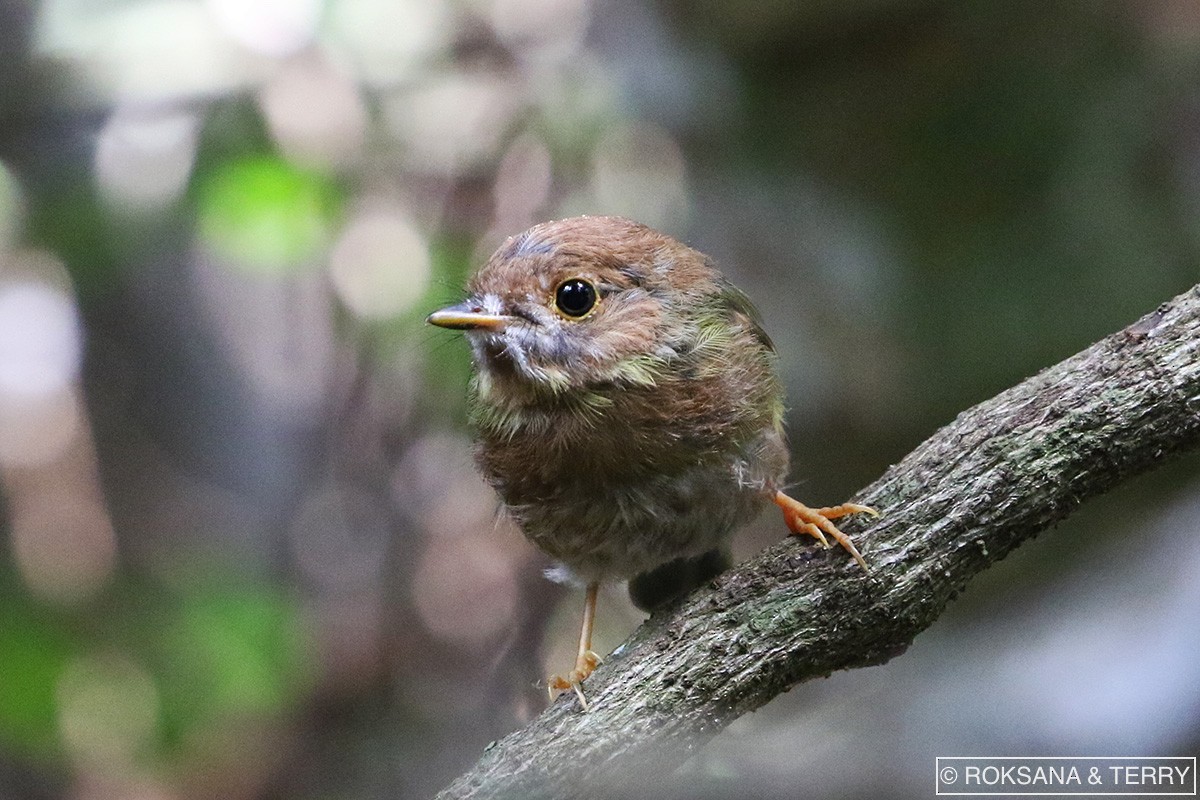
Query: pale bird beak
[468,316]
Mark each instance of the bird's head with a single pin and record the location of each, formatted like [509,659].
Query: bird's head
[570,305]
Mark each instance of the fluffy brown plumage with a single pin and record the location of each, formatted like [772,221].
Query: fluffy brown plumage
[626,405]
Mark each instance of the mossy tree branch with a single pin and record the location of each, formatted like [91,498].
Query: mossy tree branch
[996,476]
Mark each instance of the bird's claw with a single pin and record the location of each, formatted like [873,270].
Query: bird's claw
[847,508]
[817,522]
[585,665]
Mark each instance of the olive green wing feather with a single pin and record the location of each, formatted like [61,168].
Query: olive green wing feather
[742,312]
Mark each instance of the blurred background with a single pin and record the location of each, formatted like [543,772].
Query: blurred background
[243,549]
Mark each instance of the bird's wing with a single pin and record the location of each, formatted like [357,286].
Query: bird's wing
[742,311]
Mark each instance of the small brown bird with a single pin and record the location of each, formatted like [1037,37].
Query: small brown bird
[627,409]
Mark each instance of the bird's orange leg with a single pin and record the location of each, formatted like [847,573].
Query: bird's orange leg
[817,522]
[587,661]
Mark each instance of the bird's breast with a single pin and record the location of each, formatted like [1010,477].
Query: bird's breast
[615,484]
[614,530]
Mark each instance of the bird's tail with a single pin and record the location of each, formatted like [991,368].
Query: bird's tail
[673,579]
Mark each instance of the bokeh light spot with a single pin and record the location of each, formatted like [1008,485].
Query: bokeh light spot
[144,159]
[108,711]
[384,40]
[455,123]
[380,265]
[37,429]
[266,215]
[315,113]
[40,339]
[465,590]
[271,27]
[149,50]
[64,545]
[465,587]
[638,171]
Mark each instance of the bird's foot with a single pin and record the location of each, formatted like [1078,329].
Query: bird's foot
[585,665]
[817,522]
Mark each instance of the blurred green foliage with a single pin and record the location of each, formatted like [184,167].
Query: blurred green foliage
[35,646]
[218,650]
[266,214]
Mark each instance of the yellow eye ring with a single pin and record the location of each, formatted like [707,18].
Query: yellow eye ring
[575,298]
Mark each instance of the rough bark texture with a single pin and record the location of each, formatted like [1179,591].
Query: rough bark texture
[1001,472]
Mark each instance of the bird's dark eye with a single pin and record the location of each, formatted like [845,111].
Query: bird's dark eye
[575,297]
